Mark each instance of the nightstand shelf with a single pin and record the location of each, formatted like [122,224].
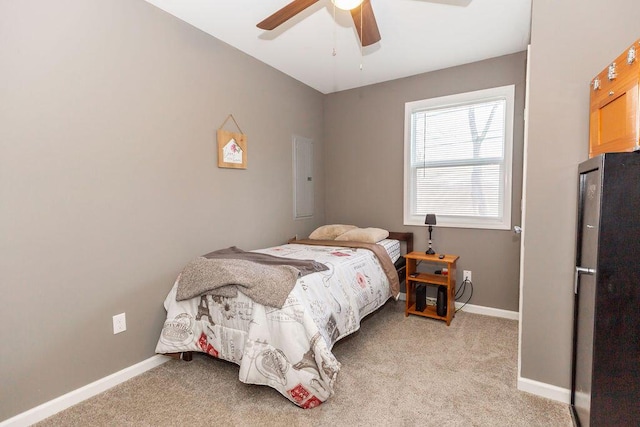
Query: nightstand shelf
[446,280]
[433,279]
[429,311]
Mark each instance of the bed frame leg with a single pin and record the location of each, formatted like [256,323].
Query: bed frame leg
[187,356]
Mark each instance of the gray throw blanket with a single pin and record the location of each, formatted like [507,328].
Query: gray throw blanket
[305,266]
[266,279]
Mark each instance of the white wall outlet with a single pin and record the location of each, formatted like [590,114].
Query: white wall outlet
[466,275]
[119,323]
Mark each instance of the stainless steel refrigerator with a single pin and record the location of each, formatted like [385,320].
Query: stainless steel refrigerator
[605,388]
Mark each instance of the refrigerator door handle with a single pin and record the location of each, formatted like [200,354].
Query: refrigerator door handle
[579,271]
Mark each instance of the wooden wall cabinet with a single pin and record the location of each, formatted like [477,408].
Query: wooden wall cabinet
[614,122]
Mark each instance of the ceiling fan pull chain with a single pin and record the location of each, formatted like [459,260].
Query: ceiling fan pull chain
[335,34]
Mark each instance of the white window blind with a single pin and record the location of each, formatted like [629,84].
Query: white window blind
[458,159]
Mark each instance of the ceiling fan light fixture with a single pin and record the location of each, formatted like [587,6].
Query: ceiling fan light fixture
[347,4]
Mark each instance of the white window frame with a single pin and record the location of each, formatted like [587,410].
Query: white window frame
[503,222]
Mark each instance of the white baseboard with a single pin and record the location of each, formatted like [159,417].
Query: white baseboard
[549,391]
[489,311]
[65,401]
[479,309]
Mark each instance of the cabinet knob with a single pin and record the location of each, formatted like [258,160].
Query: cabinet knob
[611,74]
[631,55]
[611,93]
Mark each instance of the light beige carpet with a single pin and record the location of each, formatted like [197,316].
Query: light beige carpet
[400,371]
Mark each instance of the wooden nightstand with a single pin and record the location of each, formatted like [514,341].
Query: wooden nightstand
[414,278]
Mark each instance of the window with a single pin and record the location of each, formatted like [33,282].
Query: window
[457,160]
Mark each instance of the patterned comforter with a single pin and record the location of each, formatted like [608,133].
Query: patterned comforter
[288,349]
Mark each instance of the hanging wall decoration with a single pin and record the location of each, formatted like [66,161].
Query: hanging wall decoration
[232,147]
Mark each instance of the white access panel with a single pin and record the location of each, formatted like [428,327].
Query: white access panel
[302,177]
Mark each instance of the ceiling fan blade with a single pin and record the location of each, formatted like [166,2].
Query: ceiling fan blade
[284,14]
[366,26]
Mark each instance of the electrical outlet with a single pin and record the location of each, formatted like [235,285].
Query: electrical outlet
[466,275]
[119,323]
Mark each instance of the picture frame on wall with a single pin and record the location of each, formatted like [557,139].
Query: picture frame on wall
[232,149]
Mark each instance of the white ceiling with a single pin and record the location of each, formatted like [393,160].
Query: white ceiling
[417,36]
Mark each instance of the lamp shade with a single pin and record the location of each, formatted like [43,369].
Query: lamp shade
[347,4]
[430,219]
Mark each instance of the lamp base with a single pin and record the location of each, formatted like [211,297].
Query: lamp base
[430,251]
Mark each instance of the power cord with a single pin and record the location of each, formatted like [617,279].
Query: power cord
[461,291]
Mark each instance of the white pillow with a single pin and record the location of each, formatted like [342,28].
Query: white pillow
[367,235]
[330,232]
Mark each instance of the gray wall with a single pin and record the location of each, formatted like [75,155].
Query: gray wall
[109,181]
[571,42]
[364,131]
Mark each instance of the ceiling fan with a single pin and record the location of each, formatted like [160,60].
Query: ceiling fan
[367,20]
[361,12]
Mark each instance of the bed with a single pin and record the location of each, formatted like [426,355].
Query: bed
[289,348]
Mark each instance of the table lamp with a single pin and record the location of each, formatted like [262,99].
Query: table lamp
[431,221]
